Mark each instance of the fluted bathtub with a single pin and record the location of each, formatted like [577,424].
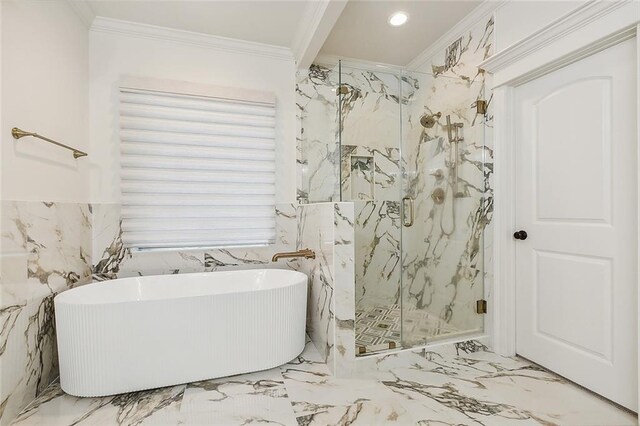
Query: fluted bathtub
[140,333]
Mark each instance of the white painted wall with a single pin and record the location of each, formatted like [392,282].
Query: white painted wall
[45,83]
[518,19]
[116,54]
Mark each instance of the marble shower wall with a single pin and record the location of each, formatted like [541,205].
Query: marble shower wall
[443,264]
[371,178]
[317,147]
[370,155]
[377,253]
[45,249]
[443,268]
[371,123]
[365,171]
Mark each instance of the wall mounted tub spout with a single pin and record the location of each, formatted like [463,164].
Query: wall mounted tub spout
[306,253]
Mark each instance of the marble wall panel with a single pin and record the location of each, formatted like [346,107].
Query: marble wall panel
[377,253]
[113,260]
[369,114]
[45,249]
[379,169]
[315,232]
[370,125]
[344,293]
[328,229]
[317,146]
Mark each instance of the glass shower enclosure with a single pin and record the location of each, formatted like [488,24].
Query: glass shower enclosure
[407,149]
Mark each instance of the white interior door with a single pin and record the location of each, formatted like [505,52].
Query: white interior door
[576,290]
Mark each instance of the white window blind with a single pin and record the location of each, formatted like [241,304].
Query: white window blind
[197,170]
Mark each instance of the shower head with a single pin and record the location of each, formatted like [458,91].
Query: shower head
[429,120]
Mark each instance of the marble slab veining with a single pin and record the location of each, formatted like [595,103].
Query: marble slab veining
[50,247]
[442,263]
[46,249]
[444,268]
[465,385]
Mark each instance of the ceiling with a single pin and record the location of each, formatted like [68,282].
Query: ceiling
[362,31]
[263,21]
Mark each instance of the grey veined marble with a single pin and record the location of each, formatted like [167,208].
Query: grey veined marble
[465,386]
[318,154]
[443,260]
[437,268]
[46,248]
[50,247]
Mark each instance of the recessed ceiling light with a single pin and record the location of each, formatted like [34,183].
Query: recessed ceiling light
[398,18]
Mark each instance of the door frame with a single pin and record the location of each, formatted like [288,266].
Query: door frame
[590,28]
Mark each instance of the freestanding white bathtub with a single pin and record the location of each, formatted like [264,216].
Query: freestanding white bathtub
[141,333]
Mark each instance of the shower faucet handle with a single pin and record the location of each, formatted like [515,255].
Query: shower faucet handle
[458,126]
[438,174]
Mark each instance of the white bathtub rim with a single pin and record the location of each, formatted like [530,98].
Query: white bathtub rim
[65,297]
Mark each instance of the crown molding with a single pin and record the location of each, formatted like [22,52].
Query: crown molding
[564,26]
[83,10]
[153,32]
[484,10]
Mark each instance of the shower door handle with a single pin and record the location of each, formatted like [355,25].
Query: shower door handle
[407,222]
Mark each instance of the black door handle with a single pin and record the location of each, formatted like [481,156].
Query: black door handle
[520,235]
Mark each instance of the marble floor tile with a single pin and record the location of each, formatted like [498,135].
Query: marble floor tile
[484,388]
[318,398]
[258,397]
[322,400]
[55,408]
[431,388]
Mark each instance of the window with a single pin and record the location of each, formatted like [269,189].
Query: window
[197,165]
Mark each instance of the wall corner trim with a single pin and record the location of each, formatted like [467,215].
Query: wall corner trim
[313,30]
[624,13]
[83,10]
[485,9]
[134,29]
[307,27]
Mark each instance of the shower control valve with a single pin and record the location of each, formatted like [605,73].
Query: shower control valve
[438,174]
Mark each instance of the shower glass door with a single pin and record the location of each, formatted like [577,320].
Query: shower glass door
[370,177]
[418,196]
[444,209]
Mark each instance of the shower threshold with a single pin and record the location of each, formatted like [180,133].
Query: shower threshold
[379,328]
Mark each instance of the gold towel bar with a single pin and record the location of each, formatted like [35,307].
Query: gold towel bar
[17,134]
